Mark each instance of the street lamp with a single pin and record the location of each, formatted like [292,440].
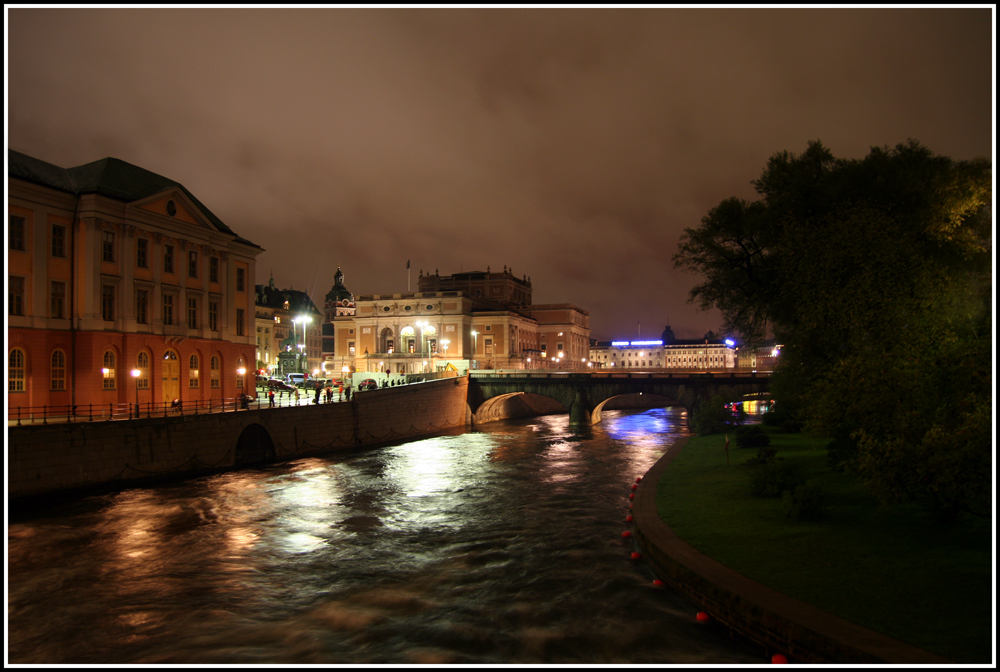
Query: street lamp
[303,320]
[135,375]
[444,345]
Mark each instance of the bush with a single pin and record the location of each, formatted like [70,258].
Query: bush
[752,436]
[841,450]
[774,477]
[806,502]
[714,416]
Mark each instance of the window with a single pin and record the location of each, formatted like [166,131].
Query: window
[193,371]
[142,252]
[15,370]
[215,372]
[142,363]
[108,246]
[168,258]
[58,300]
[192,313]
[58,377]
[15,295]
[213,269]
[109,370]
[108,302]
[241,279]
[192,264]
[240,366]
[239,321]
[213,315]
[168,309]
[15,234]
[58,240]
[142,306]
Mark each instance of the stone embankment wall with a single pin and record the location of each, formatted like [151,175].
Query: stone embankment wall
[50,458]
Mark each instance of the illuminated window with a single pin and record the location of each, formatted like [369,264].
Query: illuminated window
[58,375]
[109,370]
[142,363]
[214,373]
[193,371]
[15,370]
[239,376]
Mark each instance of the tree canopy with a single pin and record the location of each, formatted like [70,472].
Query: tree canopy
[875,275]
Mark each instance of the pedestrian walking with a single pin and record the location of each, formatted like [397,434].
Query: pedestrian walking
[270,398]
[319,389]
[340,392]
[348,392]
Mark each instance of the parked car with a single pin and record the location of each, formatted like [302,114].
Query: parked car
[278,385]
[368,384]
[296,378]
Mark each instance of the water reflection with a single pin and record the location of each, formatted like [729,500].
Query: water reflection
[500,545]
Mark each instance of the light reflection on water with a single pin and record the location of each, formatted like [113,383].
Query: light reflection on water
[500,545]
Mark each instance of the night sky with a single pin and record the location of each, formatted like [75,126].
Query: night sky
[572,145]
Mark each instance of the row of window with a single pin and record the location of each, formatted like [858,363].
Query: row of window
[16,241]
[57,305]
[57,370]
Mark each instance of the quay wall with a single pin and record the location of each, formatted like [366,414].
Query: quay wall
[43,459]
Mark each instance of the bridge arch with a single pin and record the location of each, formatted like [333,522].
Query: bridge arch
[516,405]
[628,400]
[254,446]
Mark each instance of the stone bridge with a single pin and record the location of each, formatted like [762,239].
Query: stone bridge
[495,396]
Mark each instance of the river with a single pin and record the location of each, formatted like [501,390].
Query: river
[494,546]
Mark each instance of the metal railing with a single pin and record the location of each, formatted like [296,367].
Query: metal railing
[44,415]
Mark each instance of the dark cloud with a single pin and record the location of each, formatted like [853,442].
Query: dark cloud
[573,145]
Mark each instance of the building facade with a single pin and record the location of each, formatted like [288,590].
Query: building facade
[291,326]
[122,287]
[478,320]
[666,353]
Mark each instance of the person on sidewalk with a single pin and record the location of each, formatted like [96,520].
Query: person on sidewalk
[270,398]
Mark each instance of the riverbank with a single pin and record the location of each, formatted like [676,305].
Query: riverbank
[861,585]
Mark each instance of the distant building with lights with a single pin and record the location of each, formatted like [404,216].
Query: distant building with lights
[476,319]
[289,331]
[665,353]
[122,288]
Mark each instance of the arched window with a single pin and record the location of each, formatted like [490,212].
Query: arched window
[58,377]
[142,363]
[215,372]
[109,370]
[193,371]
[240,366]
[15,370]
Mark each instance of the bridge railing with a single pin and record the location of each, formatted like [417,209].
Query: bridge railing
[628,375]
[43,415]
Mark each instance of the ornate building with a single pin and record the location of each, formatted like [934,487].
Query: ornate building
[122,286]
[476,319]
[667,352]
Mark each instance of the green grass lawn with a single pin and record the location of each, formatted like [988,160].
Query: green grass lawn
[900,571]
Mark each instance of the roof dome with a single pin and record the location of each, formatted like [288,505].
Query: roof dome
[668,335]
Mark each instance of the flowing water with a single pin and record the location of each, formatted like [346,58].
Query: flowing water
[500,545]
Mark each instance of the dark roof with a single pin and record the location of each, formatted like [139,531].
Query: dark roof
[109,177]
[275,298]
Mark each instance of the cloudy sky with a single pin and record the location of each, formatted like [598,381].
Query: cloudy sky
[572,145]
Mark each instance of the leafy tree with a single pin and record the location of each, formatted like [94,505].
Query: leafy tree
[876,276]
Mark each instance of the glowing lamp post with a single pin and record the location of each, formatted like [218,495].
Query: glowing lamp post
[444,345]
[135,376]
